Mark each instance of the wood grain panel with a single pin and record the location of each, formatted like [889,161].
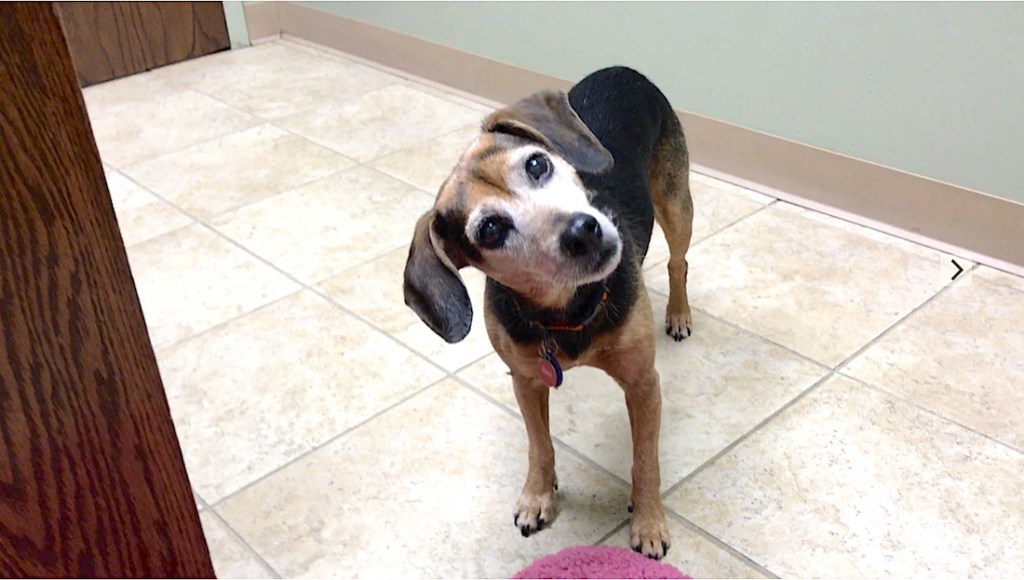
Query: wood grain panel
[92,481]
[110,40]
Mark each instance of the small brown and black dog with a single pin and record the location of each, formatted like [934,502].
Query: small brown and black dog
[555,202]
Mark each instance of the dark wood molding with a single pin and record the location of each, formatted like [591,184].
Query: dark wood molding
[110,40]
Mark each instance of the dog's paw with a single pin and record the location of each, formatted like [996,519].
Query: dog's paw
[649,536]
[678,325]
[534,510]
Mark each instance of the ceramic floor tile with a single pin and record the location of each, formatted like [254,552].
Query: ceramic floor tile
[959,356]
[877,236]
[140,214]
[374,291]
[716,385]
[694,555]
[277,383]
[428,164]
[713,209]
[220,175]
[477,104]
[231,559]
[427,489]
[325,227]
[999,278]
[821,290]
[236,64]
[730,188]
[192,279]
[133,90]
[279,79]
[142,128]
[851,483]
[381,122]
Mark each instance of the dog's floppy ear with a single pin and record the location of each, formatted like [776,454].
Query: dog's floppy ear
[547,117]
[433,287]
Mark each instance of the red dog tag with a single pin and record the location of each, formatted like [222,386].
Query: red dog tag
[549,370]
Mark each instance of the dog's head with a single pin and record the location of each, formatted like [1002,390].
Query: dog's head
[515,208]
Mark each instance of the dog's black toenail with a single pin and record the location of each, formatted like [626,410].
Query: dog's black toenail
[629,507]
[689,332]
[556,486]
[540,523]
[636,548]
[515,520]
[525,531]
[664,547]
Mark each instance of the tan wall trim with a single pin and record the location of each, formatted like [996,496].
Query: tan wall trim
[953,219]
[263,21]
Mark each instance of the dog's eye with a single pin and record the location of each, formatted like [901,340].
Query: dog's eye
[538,166]
[493,232]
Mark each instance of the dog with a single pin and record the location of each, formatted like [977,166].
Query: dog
[555,202]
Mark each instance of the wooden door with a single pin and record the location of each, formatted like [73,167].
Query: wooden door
[110,40]
[92,481]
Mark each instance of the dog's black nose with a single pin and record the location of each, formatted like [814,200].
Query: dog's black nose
[582,236]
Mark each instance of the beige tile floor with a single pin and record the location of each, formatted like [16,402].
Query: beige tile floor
[842,409]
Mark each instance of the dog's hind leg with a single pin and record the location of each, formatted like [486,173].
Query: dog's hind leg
[669,181]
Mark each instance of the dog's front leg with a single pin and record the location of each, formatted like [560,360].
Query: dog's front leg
[536,504]
[648,533]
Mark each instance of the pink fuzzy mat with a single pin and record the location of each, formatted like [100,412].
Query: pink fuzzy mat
[598,562]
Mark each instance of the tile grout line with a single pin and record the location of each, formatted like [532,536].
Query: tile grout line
[208,221]
[305,287]
[700,531]
[805,357]
[302,286]
[407,77]
[372,325]
[714,233]
[409,148]
[937,415]
[196,220]
[166,348]
[325,443]
[935,295]
[611,534]
[471,363]
[273,122]
[571,450]
[834,371]
[353,165]
[747,331]
[122,167]
[239,538]
[735,443]
[735,553]
[159,200]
